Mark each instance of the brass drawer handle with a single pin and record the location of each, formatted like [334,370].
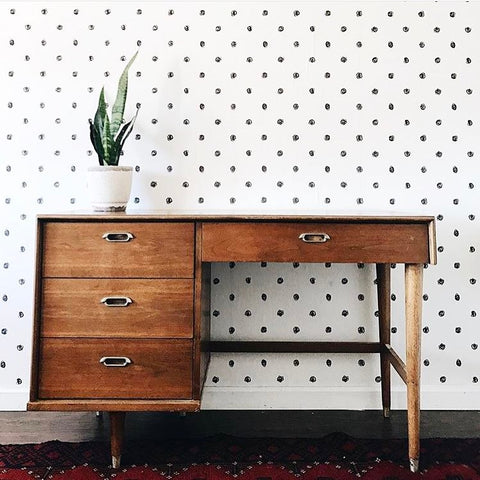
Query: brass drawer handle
[116,301]
[314,237]
[118,236]
[115,361]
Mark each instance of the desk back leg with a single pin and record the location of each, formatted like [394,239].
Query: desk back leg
[384,321]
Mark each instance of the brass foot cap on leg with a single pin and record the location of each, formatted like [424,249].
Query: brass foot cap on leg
[116,461]
[386,412]
[414,465]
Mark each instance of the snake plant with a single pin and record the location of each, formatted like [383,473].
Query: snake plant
[107,134]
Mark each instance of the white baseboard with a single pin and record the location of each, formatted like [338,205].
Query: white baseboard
[234,398]
[451,399]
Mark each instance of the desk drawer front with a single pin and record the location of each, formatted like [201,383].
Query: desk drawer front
[315,242]
[117,307]
[112,249]
[142,369]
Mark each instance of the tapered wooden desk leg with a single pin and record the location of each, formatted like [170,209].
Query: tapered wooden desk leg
[413,313]
[117,423]
[384,315]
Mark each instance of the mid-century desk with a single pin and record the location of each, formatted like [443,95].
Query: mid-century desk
[122,310]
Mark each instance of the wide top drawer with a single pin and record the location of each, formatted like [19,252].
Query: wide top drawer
[117,249]
[352,242]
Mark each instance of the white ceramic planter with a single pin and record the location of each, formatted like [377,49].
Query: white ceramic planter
[109,187]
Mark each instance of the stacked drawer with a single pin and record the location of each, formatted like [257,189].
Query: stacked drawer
[116,310]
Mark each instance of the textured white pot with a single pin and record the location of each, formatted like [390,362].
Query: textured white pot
[109,187]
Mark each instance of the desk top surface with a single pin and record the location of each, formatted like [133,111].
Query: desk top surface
[145,215]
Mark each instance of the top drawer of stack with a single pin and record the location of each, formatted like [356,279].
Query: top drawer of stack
[102,249]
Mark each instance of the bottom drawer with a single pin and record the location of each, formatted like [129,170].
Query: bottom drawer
[140,369]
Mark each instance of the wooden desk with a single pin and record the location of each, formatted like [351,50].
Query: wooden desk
[122,305]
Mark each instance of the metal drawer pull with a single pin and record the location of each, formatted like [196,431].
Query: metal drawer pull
[118,237]
[116,301]
[116,361]
[314,237]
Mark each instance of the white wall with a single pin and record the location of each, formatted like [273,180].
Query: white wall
[391,124]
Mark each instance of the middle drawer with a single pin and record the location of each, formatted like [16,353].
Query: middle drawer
[131,308]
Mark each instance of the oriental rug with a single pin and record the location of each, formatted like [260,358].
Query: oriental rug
[334,457]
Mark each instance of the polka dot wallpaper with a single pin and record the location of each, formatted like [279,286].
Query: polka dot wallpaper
[299,107]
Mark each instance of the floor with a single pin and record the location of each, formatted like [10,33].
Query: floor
[34,427]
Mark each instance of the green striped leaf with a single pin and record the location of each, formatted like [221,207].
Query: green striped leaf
[119,105]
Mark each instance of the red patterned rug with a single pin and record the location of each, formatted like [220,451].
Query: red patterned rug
[334,457]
